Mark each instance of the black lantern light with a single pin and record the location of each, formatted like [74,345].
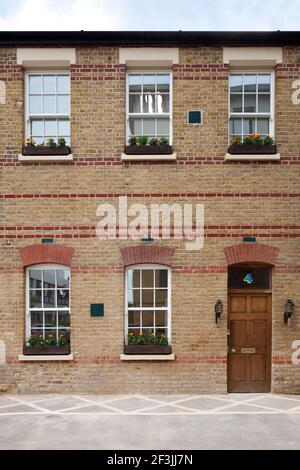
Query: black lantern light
[288,311]
[218,310]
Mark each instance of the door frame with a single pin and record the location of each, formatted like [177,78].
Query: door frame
[247,292]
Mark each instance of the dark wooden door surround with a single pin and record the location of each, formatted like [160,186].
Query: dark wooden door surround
[249,341]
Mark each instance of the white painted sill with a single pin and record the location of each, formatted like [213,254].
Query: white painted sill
[147,357]
[245,157]
[158,158]
[45,158]
[45,358]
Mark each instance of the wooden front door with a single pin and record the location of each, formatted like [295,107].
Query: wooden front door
[249,342]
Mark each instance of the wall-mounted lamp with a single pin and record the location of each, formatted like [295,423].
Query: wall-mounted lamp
[218,310]
[288,311]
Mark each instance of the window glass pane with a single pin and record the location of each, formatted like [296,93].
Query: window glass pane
[36,319]
[35,278]
[63,84]
[263,103]
[133,298]
[163,83]
[163,126]
[134,103]
[50,319]
[63,127]
[35,104]
[62,298]
[264,83]
[63,319]
[147,318]
[38,333]
[63,104]
[162,332]
[148,103]
[249,83]
[147,278]
[255,278]
[35,84]
[62,277]
[49,278]
[51,127]
[161,278]
[161,298]
[134,318]
[161,318]
[236,83]
[50,333]
[133,278]
[236,103]
[250,103]
[249,126]
[135,126]
[147,298]
[147,331]
[49,298]
[35,299]
[163,103]
[64,333]
[50,84]
[37,127]
[235,126]
[149,126]
[49,104]
[38,140]
[135,83]
[263,126]
[149,83]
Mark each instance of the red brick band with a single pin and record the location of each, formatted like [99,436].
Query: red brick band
[147,254]
[251,252]
[46,253]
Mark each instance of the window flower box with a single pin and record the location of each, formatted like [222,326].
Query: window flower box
[46,350]
[147,349]
[59,150]
[148,149]
[252,149]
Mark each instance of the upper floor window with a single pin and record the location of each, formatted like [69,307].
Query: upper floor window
[48,106]
[149,104]
[251,104]
[47,301]
[148,296]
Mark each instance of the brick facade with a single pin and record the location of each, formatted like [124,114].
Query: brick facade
[59,200]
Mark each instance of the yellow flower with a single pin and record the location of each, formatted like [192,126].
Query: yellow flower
[141,334]
[130,334]
[256,135]
[50,336]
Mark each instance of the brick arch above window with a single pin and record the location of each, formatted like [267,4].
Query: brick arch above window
[46,253]
[147,254]
[251,252]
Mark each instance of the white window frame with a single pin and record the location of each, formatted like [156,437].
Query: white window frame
[29,116]
[270,115]
[148,266]
[37,267]
[148,115]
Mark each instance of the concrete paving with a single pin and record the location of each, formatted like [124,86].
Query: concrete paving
[233,421]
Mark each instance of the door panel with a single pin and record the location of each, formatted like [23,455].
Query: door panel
[249,342]
[238,368]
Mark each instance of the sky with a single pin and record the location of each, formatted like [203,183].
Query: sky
[130,15]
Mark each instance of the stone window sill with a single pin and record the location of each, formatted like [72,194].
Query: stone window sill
[45,158]
[147,357]
[45,358]
[158,158]
[245,157]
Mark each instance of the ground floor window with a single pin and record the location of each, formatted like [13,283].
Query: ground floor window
[48,304]
[148,294]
